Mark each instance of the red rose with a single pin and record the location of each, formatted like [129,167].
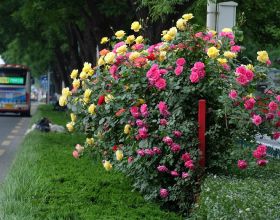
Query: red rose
[115,148]
[151,56]
[101,100]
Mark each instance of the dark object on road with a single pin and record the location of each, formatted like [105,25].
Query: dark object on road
[57,107]
[43,125]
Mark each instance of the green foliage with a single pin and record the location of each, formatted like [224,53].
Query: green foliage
[250,194]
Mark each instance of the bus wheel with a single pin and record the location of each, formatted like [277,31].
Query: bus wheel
[25,114]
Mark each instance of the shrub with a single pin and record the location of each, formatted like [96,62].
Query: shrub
[138,107]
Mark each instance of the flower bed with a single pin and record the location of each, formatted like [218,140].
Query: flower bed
[138,107]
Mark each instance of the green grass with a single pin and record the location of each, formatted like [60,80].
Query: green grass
[251,194]
[46,182]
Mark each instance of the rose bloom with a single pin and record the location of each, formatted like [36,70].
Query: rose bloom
[162,168]
[163,193]
[130,159]
[249,103]
[242,164]
[178,70]
[160,84]
[163,109]
[75,154]
[257,120]
[180,62]
[194,77]
[189,164]
[156,150]
[233,94]
[185,175]
[163,122]
[272,106]
[175,147]
[262,162]
[278,98]
[177,133]
[276,135]
[168,140]
[186,157]
[174,173]
[141,152]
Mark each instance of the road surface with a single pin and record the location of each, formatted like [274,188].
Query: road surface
[12,130]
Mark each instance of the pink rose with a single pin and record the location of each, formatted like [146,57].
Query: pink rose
[174,173]
[242,164]
[163,122]
[130,159]
[117,45]
[268,62]
[185,175]
[144,110]
[178,70]
[249,75]
[269,116]
[257,120]
[168,140]
[177,134]
[262,162]
[163,109]
[235,49]
[276,135]
[143,132]
[278,98]
[194,77]
[75,154]
[163,193]
[189,164]
[162,168]
[186,157]
[180,62]
[156,150]
[141,152]
[249,103]
[140,123]
[175,147]
[134,110]
[242,80]
[160,84]
[149,152]
[272,106]
[233,94]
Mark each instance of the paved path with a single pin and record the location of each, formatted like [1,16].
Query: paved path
[12,130]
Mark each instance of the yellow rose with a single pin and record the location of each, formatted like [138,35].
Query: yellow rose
[262,56]
[213,32]
[91,109]
[91,72]
[162,56]
[127,129]
[109,58]
[139,39]
[87,93]
[73,117]
[108,98]
[107,165]
[172,32]
[119,155]
[120,34]
[222,61]
[70,126]
[66,92]
[121,50]
[227,30]
[101,61]
[136,26]
[74,74]
[164,32]
[86,100]
[63,100]
[181,24]
[104,40]
[76,83]
[229,55]
[90,141]
[187,16]
[83,75]
[130,39]
[87,67]
[213,52]
[140,101]
[134,55]
[250,67]
[167,37]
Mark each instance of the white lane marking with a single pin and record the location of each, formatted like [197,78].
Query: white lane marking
[14,131]
[17,127]
[11,137]
[6,143]
[2,151]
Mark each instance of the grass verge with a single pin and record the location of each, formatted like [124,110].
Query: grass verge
[46,182]
[250,194]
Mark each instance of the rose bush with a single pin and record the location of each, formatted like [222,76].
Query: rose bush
[139,107]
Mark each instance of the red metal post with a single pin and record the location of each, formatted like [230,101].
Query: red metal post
[201,131]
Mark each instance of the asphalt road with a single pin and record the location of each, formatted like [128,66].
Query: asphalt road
[12,130]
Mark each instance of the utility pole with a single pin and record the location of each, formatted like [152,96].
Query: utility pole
[211,14]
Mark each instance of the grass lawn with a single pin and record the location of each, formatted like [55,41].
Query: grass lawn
[46,182]
[250,194]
